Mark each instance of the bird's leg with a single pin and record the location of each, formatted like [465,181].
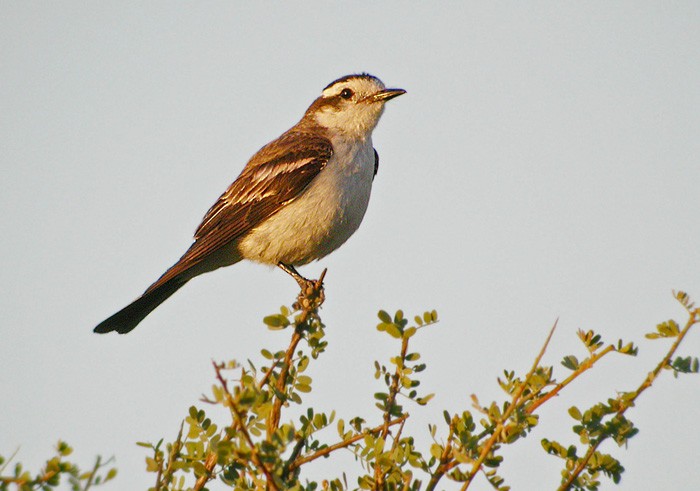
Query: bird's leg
[312,294]
[291,271]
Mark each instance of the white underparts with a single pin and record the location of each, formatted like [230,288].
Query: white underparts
[324,216]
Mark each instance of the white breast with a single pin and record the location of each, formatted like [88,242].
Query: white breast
[326,214]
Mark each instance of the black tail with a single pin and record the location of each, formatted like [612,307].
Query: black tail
[130,316]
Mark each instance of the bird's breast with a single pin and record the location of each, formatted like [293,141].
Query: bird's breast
[323,216]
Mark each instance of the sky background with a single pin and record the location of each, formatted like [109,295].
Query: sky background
[543,165]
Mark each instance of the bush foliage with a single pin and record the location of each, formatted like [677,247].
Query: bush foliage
[257,446]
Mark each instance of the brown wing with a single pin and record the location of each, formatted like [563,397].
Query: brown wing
[276,175]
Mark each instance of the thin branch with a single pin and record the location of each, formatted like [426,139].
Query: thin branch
[211,460]
[212,457]
[390,402]
[582,368]
[294,455]
[9,459]
[273,420]
[486,449]
[308,309]
[648,381]
[253,449]
[275,414]
[444,465]
[172,457]
[266,378]
[91,477]
[397,438]
[332,448]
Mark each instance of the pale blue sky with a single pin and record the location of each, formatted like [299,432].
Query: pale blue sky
[543,164]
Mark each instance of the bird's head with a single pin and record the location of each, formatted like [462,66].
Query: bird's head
[351,105]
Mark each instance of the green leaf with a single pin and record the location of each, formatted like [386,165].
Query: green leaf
[276,321]
[393,331]
[431,316]
[384,317]
[303,388]
[425,399]
[575,413]
[668,329]
[151,465]
[627,349]
[304,379]
[570,362]
[436,450]
[687,364]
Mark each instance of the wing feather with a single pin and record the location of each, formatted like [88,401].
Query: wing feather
[273,177]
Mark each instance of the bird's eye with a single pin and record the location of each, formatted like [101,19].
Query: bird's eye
[346,94]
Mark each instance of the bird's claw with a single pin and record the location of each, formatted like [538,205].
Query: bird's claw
[311,295]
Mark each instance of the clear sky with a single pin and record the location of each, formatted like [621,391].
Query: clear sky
[544,164]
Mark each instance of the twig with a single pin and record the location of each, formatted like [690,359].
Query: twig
[307,310]
[486,449]
[266,377]
[445,464]
[275,414]
[582,368]
[343,444]
[212,457]
[397,438]
[211,460]
[271,481]
[95,468]
[391,400]
[648,381]
[294,455]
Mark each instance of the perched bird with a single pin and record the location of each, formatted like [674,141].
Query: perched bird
[299,198]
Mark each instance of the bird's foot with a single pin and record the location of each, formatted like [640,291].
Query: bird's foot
[312,293]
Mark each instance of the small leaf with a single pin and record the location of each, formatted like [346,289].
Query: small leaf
[570,362]
[276,321]
[575,413]
[627,349]
[425,399]
[393,331]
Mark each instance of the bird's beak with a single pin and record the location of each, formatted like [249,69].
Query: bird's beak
[386,94]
